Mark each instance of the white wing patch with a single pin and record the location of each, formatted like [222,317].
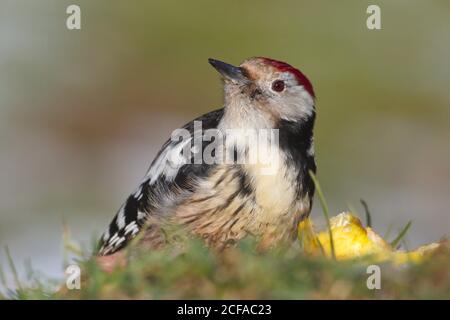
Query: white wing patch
[139,194]
[169,162]
[115,241]
[131,228]
[120,221]
[106,236]
[141,215]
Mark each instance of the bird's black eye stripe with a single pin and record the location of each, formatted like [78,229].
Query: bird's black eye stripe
[278,85]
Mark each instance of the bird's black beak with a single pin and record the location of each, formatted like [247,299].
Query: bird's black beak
[228,71]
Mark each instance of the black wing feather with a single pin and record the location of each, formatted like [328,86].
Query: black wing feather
[153,195]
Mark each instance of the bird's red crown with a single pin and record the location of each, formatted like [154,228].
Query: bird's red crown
[299,76]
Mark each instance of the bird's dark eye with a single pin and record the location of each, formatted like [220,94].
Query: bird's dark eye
[278,85]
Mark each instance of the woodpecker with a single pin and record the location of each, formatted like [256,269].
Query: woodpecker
[223,202]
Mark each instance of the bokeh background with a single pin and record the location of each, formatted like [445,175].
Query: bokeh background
[82,113]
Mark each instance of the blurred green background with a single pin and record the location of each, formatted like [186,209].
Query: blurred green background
[82,113]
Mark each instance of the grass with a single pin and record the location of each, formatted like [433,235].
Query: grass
[401,235]
[196,272]
[325,210]
[367,212]
[240,273]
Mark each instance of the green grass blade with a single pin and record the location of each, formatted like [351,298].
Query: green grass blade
[401,235]
[324,209]
[2,277]
[13,268]
[387,234]
[368,215]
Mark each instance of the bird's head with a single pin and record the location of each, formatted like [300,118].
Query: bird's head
[265,87]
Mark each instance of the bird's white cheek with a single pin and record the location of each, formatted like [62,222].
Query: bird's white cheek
[295,106]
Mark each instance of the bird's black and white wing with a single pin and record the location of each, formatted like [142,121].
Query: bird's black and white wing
[167,182]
